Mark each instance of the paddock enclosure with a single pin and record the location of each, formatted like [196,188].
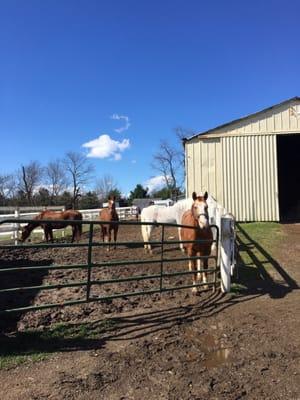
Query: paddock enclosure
[241,345]
[91,273]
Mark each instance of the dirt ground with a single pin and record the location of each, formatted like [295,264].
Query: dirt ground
[172,346]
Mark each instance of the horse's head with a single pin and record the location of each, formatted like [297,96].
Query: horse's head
[25,232]
[112,203]
[200,209]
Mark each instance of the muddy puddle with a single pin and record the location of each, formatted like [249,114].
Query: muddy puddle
[207,348]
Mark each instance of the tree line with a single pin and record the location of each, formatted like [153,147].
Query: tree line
[63,181]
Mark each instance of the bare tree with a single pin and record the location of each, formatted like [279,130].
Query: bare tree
[56,177]
[29,178]
[79,170]
[170,160]
[182,134]
[7,186]
[104,186]
[167,161]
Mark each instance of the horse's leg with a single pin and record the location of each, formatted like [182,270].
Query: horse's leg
[51,234]
[46,234]
[73,233]
[181,245]
[76,233]
[79,232]
[149,229]
[198,269]
[146,233]
[204,274]
[109,237]
[103,231]
[192,267]
[105,234]
[116,228]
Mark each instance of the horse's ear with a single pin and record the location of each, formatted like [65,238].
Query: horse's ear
[205,196]
[194,196]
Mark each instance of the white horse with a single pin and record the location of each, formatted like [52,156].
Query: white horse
[171,215]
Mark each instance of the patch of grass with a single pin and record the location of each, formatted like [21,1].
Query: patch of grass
[269,234]
[34,345]
[257,240]
[258,245]
[13,361]
[237,288]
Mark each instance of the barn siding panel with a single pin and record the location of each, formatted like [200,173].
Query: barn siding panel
[240,172]
[250,177]
[204,163]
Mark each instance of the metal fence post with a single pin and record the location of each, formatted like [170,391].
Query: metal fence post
[225,260]
[90,248]
[162,256]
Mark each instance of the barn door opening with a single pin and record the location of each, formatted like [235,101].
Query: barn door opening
[288,148]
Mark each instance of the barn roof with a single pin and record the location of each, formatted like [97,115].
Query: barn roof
[145,202]
[227,124]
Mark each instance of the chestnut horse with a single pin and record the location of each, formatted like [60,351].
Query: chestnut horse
[197,217]
[109,215]
[68,215]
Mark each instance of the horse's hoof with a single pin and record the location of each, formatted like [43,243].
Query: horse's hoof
[195,291]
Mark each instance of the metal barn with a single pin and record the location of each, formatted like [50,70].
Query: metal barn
[250,165]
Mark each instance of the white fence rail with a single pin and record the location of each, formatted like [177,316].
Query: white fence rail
[12,230]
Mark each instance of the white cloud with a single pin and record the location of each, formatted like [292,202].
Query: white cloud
[117,156]
[104,146]
[155,183]
[121,117]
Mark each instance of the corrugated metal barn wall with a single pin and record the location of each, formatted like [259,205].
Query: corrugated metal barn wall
[249,183]
[239,171]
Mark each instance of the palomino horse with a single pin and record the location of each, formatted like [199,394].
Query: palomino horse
[172,215]
[67,216]
[197,217]
[109,215]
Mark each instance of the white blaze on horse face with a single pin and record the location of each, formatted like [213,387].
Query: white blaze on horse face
[201,213]
[111,203]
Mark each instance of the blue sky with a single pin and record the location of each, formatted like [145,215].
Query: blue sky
[73,73]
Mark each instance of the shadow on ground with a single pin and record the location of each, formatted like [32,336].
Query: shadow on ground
[11,283]
[258,276]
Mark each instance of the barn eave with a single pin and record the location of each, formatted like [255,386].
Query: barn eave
[218,131]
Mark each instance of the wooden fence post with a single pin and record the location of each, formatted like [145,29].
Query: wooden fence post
[16,226]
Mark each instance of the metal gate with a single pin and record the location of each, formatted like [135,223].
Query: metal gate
[89,266]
